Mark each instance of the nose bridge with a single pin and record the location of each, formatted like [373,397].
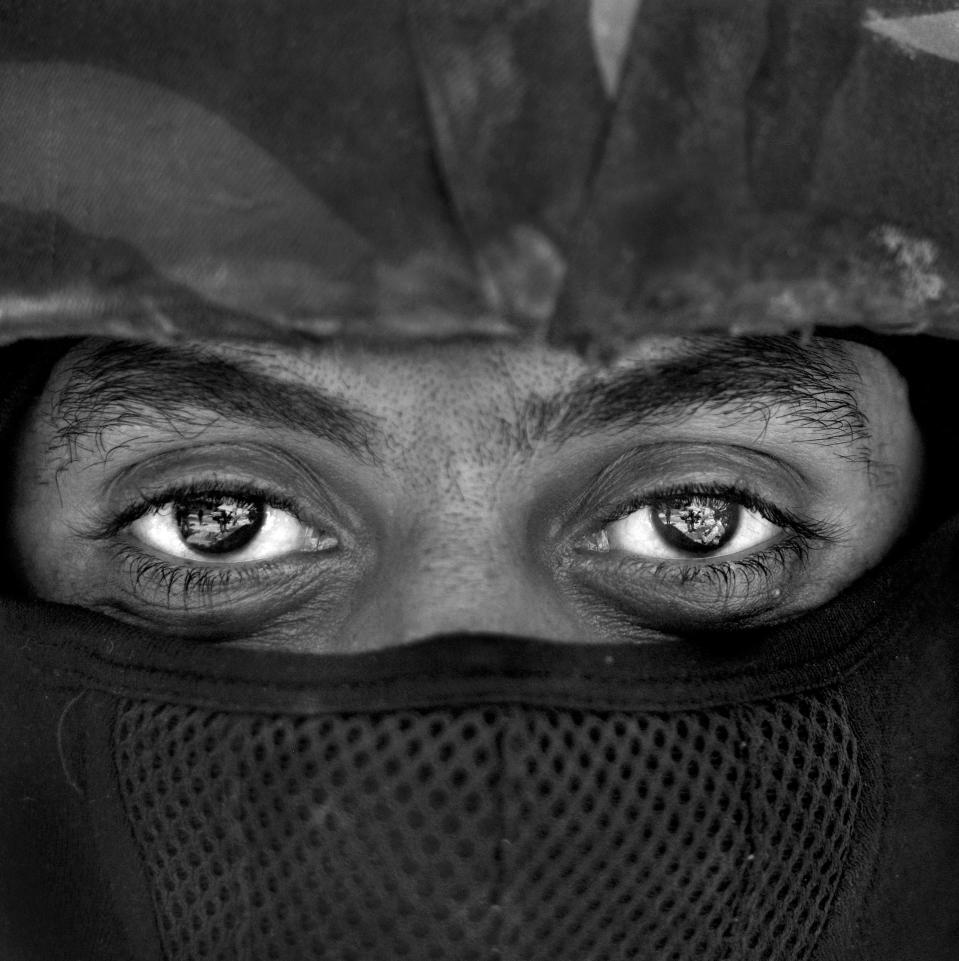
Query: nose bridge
[458,571]
[455,555]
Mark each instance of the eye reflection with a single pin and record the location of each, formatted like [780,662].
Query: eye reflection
[697,525]
[688,527]
[218,525]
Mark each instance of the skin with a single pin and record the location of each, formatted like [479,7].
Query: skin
[447,510]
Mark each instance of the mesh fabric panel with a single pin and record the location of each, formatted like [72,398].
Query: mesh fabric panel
[487,832]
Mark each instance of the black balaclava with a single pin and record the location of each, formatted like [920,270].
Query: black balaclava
[431,169]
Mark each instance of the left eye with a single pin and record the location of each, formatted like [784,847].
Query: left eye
[689,527]
[224,528]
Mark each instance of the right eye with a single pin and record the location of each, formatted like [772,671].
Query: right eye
[678,528]
[226,529]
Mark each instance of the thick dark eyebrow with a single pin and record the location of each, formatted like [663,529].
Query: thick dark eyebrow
[810,385]
[807,385]
[113,384]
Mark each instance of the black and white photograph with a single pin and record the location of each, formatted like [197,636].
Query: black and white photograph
[477,480]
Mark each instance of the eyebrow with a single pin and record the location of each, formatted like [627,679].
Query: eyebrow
[810,386]
[115,384]
[807,385]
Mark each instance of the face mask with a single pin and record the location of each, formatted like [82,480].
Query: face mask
[784,796]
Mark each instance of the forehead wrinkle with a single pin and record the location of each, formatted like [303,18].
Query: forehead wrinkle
[809,387]
[117,384]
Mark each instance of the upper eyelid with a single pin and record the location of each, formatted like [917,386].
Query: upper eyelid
[740,496]
[811,529]
[147,501]
[719,464]
[171,495]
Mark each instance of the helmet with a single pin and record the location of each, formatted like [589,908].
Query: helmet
[383,172]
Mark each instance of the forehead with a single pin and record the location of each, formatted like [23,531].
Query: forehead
[488,371]
[440,376]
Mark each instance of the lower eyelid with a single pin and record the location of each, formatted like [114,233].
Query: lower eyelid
[216,603]
[150,575]
[751,583]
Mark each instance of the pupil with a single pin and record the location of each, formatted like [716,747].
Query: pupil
[697,525]
[218,525]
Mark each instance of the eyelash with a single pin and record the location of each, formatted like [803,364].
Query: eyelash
[735,494]
[209,487]
[145,569]
[726,575]
[156,573]
[729,577]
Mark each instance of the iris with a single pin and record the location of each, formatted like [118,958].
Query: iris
[696,525]
[218,525]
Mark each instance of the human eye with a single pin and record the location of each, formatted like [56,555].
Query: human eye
[215,554]
[692,525]
[224,527]
[704,556]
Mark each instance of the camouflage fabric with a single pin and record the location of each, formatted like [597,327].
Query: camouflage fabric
[577,171]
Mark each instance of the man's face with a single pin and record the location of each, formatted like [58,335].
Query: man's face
[342,498]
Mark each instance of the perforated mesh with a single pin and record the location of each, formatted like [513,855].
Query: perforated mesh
[491,832]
